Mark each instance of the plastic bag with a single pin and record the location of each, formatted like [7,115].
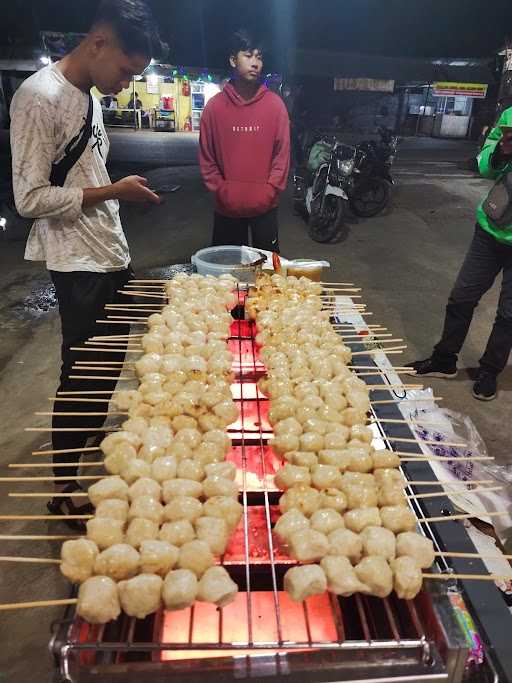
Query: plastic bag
[320,153]
[448,426]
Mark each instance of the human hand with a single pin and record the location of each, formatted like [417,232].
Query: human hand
[506,141]
[134,188]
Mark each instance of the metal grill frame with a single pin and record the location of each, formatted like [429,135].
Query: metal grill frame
[437,653]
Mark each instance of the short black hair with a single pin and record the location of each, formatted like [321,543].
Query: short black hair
[243,41]
[134,25]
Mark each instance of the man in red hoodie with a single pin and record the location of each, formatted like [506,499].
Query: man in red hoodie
[245,152]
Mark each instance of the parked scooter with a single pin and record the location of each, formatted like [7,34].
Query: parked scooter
[370,193]
[321,195]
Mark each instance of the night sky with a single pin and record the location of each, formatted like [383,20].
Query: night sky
[197,30]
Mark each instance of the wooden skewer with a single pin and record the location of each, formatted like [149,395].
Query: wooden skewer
[54,451]
[135,306]
[100,363]
[143,294]
[94,367]
[113,342]
[338,284]
[394,349]
[406,400]
[104,350]
[386,387]
[121,309]
[103,377]
[82,477]
[148,286]
[369,340]
[27,465]
[454,518]
[350,326]
[127,317]
[80,400]
[117,336]
[444,458]
[118,322]
[37,603]
[460,484]
[49,518]
[35,560]
[472,556]
[404,454]
[84,414]
[83,393]
[365,337]
[380,373]
[439,494]
[451,444]
[470,577]
[37,537]
[72,429]
[379,420]
[374,367]
[46,495]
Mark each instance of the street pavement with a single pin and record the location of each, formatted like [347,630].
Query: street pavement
[405,260]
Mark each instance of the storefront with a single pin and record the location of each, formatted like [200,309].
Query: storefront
[166,98]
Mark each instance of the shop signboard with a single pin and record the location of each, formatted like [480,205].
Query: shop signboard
[364,84]
[452,89]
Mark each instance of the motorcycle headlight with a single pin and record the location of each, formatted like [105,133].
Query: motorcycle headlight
[345,166]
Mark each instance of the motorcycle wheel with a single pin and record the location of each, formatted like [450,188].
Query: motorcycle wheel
[327,227]
[370,198]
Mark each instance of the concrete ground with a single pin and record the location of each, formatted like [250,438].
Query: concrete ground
[405,261]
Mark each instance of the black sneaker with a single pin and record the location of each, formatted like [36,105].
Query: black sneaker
[430,367]
[485,386]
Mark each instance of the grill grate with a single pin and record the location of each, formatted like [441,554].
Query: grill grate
[262,621]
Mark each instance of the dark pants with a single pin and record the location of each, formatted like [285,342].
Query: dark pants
[485,259]
[264,231]
[82,297]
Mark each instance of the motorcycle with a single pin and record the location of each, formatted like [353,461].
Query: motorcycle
[321,194]
[372,187]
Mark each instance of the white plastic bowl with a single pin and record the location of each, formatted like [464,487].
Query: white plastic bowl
[232,259]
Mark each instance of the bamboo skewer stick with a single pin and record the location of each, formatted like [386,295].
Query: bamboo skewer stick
[472,556]
[447,482]
[466,577]
[94,367]
[117,322]
[27,465]
[82,477]
[37,603]
[380,373]
[455,518]
[386,387]
[103,377]
[364,337]
[394,349]
[444,458]
[71,429]
[148,286]
[104,350]
[35,560]
[83,393]
[46,495]
[73,601]
[407,400]
[80,400]
[101,363]
[117,336]
[338,284]
[47,518]
[439,494]
[55,451]
[143,294]
[84,414]
[38,537]
[374,367]
[121,309]
[369,340]
[436,494]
